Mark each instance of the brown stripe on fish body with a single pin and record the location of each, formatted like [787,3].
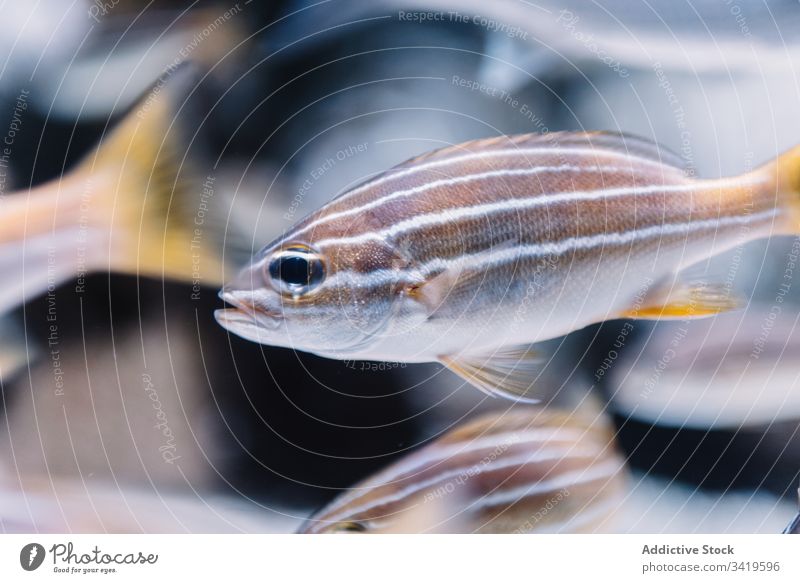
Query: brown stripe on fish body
[576,508]
[445,236]
[436,465]
[459,447]
[663,251]
[520,151]
[455,184]
[503,468]
[544,219]
[467,185]
[547,219]
[502,499]
[602,266]
[365,258]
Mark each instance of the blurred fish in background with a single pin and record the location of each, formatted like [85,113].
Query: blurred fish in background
[729,372]
[301,100]
[524,470]
[135,205]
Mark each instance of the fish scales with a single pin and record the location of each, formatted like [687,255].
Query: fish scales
[506,242]
[536,212]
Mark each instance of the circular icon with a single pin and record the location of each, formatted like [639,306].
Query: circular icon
[31,556]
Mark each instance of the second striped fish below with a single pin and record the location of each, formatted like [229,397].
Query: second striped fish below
[526,470]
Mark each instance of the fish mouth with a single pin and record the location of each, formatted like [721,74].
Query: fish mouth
[245,314]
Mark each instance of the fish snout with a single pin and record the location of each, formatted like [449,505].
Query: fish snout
[246,311]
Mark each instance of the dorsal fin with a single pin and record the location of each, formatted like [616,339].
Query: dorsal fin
[631,145]
[602,141]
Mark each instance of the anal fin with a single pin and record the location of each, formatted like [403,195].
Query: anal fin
[507,372]
[682,301]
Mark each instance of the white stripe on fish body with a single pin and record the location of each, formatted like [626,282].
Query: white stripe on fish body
[503,255]
[504,461]
[537,200]
[506,158]
[605,472]
[450,181]
[538,302]
[443,454]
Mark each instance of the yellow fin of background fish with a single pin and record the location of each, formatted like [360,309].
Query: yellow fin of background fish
[690,300]
[142,177]
[786,172]
[507,372]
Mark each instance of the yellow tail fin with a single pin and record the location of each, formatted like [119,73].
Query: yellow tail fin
[786,172]
[142,184]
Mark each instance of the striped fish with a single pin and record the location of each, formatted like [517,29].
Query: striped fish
[527,470]
[471,254]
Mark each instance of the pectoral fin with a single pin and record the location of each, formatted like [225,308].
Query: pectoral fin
[456,281]
[507,372]
[432,293]
[692,300]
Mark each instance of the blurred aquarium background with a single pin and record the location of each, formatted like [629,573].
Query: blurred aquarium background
[300,100]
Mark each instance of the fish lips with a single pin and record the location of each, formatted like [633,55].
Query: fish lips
[247,319]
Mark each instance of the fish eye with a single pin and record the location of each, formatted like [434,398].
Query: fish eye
[296,270]
[348,527]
